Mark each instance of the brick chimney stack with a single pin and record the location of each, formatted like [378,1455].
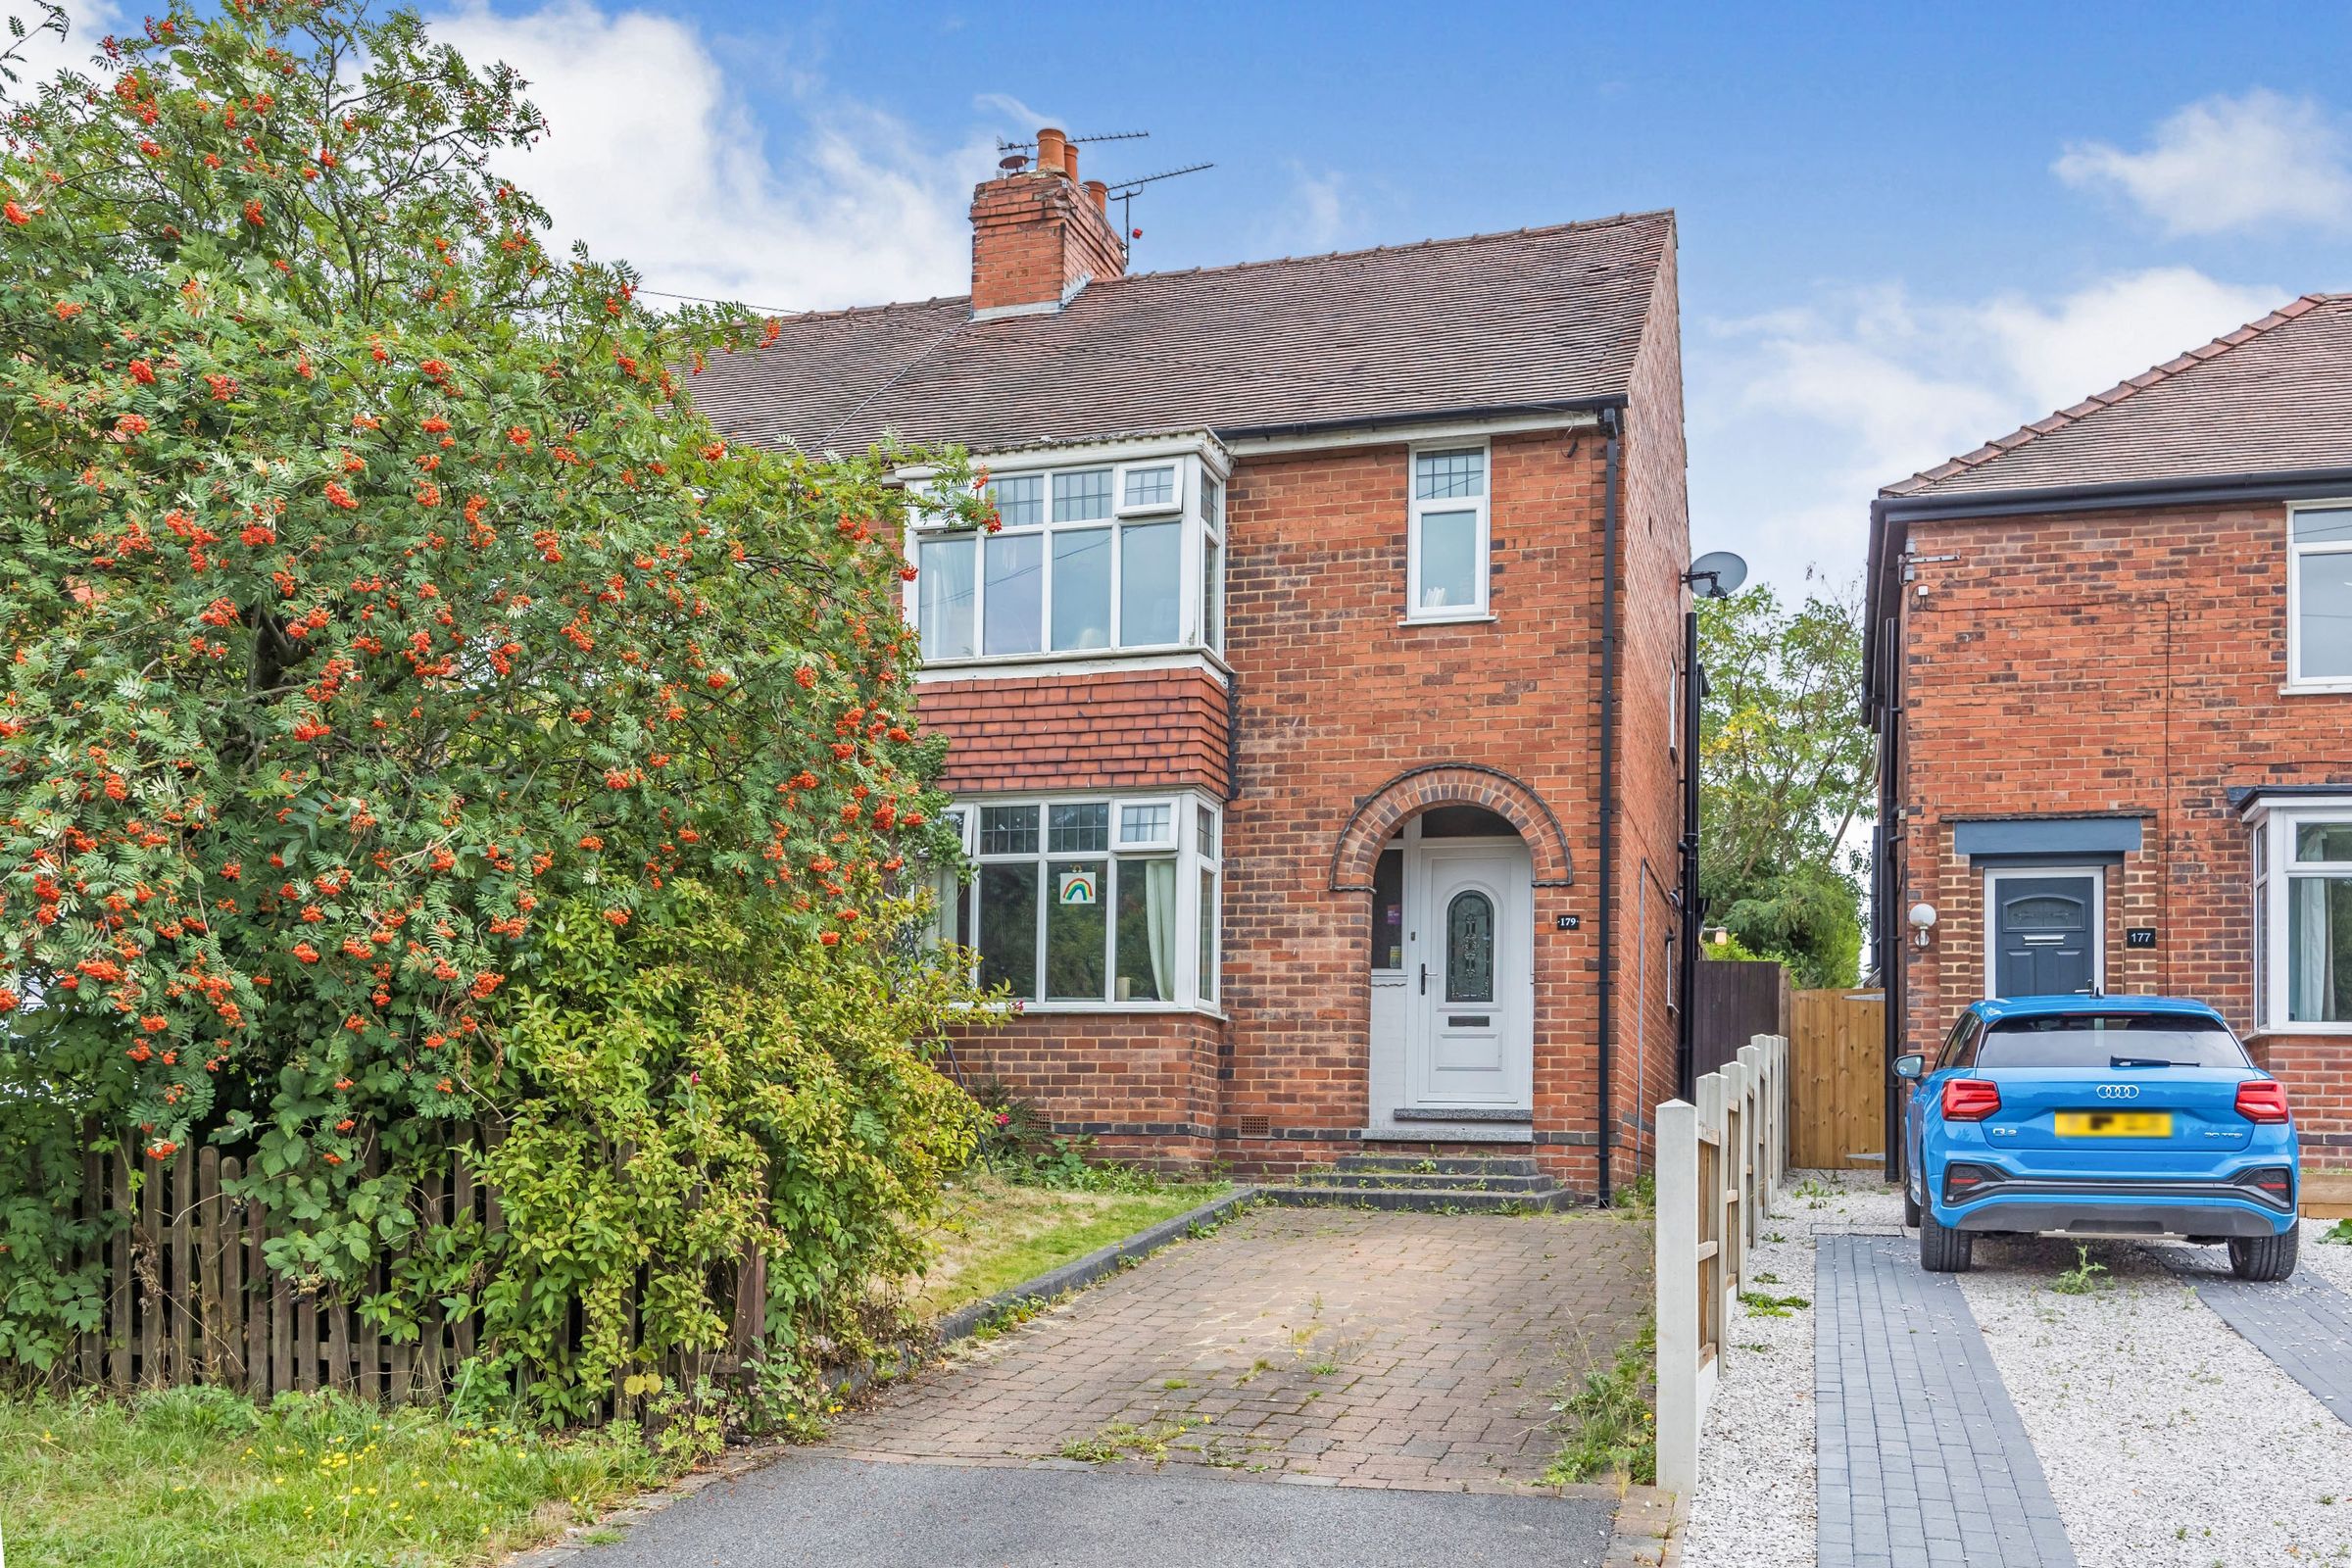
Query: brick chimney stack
[1037,234]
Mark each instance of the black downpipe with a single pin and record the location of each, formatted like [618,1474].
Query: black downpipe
[1609,422]
[1693,910]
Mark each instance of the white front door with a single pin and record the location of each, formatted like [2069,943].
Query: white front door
[1470,964]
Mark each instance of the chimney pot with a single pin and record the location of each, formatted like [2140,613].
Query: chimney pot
[1100,194]
[1070,161]
[1053,151]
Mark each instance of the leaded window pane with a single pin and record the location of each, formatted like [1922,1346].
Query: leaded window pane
[1078,826]
[1147,824]
[1021,500]
[1009,830]
[1443,475]
[1150,487]
[1082,496]
[1470,947]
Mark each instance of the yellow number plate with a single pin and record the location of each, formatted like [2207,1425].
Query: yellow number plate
[2115,1124]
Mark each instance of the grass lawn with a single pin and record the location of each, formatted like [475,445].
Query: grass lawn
[999,1233]
[198,1476]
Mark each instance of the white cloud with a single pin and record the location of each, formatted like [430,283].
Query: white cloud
[2226,163]
[41,54]
[1321,211]
[1798,417]
[652,157]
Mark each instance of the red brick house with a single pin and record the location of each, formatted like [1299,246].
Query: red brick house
[2112,677]
[1312,714]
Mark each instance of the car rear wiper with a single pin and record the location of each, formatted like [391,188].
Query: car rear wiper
[2147,1061]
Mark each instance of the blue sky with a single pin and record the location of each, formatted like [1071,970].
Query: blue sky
[1904,229]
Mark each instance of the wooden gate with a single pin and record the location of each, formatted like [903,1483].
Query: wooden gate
[1837,1083]
[1737,1000]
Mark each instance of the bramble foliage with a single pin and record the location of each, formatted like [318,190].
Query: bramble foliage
[382,625]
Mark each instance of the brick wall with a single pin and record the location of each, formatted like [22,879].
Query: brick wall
[1143,1085]
[2125,661]
[1033,235]
[1142,729]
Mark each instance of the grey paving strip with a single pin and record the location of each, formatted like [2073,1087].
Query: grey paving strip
[1922,1459]
[2302,1323]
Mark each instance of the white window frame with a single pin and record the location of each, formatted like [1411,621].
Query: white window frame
[2098,918]
[1482,504]
[2274,857]
[2295,554]
[1183,848]
[1193,636]
[1171,507]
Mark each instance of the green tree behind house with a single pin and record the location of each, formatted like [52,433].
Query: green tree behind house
[1784,778]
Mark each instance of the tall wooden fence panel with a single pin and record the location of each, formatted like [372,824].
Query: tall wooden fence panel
[1734,1002]
[1837,1088]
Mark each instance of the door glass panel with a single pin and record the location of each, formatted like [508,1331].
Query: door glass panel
[1470,947]
[2044,914]
[1082,588]
[1387,911]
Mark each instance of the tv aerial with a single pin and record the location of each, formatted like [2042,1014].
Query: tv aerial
[1015,156]
[1125,191]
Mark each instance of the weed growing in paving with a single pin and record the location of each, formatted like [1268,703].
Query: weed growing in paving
[2084,1278]
[1122,1438]
[1608,1423]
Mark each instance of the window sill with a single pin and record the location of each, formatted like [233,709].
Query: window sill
[2297,1031]
[1479,618]
[2317,688]
[1082,662]
[1034,1009]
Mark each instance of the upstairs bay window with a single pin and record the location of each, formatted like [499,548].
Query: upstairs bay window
[1093,903]
[1086,560]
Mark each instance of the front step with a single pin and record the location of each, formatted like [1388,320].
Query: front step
[1422,1199]
[1440,1164]
[1414,1180]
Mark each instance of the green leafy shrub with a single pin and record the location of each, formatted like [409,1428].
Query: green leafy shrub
[423,737]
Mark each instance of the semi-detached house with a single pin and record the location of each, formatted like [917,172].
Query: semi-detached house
[2112,673]
[1313,710]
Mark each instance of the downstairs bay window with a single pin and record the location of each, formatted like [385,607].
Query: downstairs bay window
[1095,903]
[2302,862]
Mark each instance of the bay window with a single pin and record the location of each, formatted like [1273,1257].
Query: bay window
[1086,560]
[1086,902]
[2302,862]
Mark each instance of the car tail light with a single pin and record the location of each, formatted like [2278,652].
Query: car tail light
[1962,1182]
[2262,1099]
[1969,1099]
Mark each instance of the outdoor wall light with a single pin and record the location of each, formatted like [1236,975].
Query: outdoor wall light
[1923,921]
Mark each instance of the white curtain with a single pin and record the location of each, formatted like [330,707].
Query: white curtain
[2311,956]
[1159,925]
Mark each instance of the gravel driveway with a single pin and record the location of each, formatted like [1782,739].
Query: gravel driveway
[2168,1440]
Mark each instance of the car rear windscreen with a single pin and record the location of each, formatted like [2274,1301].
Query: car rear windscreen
[2101,1040]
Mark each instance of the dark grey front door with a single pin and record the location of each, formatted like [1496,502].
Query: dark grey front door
[2041,934]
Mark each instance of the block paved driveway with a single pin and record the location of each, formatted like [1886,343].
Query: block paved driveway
[1353,1354]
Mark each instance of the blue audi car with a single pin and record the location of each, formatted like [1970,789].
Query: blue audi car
[2109,1117]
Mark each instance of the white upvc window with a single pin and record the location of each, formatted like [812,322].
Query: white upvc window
[2301,855]
[2319,595]
[1087,560]
[1090,903]
[1447,538]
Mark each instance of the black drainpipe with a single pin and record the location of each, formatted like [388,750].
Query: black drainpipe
[1610,424]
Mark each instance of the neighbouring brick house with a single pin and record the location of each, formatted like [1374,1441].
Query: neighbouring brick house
[1336,609]
[2112,674]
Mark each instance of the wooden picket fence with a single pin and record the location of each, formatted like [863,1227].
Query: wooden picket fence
[190,1300]
[1722,1165]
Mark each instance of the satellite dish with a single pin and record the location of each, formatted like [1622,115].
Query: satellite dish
[1717,574]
